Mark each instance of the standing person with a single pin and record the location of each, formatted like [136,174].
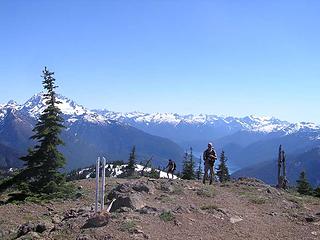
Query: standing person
[209,157]
[171,167]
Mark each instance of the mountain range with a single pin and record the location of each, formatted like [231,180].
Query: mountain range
[87,135]
[247,141]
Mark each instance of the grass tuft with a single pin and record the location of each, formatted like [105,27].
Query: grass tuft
[128,226]
[206,191]
[167,216]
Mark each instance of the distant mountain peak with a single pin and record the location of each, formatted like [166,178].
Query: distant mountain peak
[72,111]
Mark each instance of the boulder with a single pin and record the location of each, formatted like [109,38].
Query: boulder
[147,210]
[235,219]
[132,201]
[25,228]
[97,220]
[29,227]
[141,187]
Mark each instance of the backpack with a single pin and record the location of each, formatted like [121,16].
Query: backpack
[174,166]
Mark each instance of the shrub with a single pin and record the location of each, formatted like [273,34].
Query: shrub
[167,216]
[128,226]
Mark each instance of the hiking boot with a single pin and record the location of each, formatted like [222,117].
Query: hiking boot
[210,183]
[204,181]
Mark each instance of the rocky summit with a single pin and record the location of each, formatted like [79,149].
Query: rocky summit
[168,209]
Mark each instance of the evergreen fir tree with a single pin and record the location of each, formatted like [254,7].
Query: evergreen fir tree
[199,171]
[223,171]
[154,174]
[316,192]
[43,162]
[188,166]
[132,162]
[303,186]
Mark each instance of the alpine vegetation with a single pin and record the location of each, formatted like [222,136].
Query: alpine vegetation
[130,169]
[42,164]
[223,171]
[188,171]
[303,186]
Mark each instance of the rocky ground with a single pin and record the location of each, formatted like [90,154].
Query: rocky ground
[168,209]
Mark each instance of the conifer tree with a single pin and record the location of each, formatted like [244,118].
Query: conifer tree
[188,166]
[199,171]
[316,192]
[43,162]
[132,162]
[223,171]
[154,174]
[303,186]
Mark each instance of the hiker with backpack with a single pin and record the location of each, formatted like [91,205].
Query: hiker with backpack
[209,157]
[171,167]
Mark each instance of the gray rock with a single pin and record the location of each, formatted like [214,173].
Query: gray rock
[119,190]
[98,220]
[132,201]
[141,187]
[310,219]
[72,213]
[40,228]
[147,210]
[25,228]
[177,223]
[84,237]
[235,219]
[56,219]
[124,210]
[180,209]
[30,235]
[167,187]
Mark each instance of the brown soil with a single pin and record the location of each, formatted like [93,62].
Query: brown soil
[245,209]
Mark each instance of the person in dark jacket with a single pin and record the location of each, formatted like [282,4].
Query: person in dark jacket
[209,157]
[171,167]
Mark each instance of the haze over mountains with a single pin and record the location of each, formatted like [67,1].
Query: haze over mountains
[247,141]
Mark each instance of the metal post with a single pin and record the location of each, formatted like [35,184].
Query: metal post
[103,187]
[97,184]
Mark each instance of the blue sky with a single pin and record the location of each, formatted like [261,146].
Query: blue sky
[235,57]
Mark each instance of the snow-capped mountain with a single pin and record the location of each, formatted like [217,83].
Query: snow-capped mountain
[226,125]
[72,111]
[246,140]
[253,123]
[93,132]
[87,135]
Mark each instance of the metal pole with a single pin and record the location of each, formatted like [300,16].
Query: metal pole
[103,187]
[97,184]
